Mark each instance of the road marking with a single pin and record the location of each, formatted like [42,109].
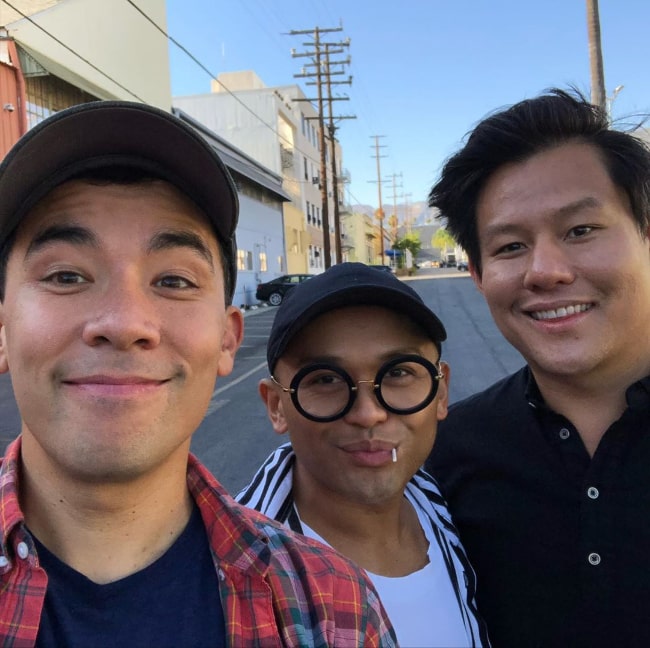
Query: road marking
[255,369]
[215,405]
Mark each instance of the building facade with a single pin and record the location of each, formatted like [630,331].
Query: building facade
[278,127]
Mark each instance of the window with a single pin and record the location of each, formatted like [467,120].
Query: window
[263,266]
[306,170]
[244,260]
[49,94]
[308,212]
[241,259]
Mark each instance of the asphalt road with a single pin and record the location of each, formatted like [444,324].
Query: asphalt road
[235,436]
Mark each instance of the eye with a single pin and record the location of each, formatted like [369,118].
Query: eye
[509,247]
[324,378]
[65,278]
[398,372]
[174,281]
[580,231]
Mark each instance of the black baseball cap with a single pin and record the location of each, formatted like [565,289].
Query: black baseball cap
[101,134]
[347,284]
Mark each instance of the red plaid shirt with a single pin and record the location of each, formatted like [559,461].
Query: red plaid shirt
[277,588]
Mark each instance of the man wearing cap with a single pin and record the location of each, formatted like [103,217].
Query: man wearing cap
[117,269]
[357,382]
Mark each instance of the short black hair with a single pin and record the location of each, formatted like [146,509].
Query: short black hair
[522,130]
[115,175]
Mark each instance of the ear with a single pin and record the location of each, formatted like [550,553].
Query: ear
[442,397]
[475,276]
[4,360]
[233,334]
[272,398]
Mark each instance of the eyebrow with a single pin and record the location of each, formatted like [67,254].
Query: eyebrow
[339,360]
[82,236]
[73,234]
[170,239]
[566,210]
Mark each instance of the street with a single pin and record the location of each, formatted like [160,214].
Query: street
[235,436]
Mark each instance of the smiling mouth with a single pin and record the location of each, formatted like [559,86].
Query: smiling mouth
[563,311]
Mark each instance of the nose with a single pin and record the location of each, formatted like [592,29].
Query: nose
[548,264]
[123,315]
[366,410]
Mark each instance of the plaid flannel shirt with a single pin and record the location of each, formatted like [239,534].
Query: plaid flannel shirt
[277,588]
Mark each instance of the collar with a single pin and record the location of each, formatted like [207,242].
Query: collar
[10,514]
[637,395]
[236,534]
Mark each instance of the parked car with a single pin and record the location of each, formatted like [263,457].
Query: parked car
[274,291]
[462,265]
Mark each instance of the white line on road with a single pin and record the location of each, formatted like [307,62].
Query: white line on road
[255,369]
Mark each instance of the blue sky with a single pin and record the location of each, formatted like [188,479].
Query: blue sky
[424,71]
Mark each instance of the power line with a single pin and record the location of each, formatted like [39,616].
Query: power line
[212,76]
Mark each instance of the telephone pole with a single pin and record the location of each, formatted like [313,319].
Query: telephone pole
[380,211]
[393,221]
[320,54]
[332,130]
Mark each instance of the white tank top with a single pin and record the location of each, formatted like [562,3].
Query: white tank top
[421,606]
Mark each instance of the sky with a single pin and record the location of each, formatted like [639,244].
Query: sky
[424,71]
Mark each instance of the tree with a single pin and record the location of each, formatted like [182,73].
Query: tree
[442,240]
[410,241]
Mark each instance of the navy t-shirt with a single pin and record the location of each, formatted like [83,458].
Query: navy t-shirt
[173,602]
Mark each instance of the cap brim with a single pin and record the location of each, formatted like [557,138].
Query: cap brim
[356,295]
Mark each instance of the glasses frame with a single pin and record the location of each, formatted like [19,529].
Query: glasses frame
[434,370]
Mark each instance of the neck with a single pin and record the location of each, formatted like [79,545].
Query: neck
[591,403]
[106,531]
[385,539]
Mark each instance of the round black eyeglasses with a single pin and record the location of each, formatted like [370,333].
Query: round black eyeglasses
[323,392]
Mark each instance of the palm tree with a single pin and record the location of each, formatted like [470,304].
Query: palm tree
[596,56]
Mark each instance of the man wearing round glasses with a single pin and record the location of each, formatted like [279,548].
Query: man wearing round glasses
[357,382]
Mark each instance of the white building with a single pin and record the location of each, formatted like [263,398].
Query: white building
[277,127]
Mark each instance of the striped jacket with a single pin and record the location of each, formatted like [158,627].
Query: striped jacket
[271,492]
[277,588]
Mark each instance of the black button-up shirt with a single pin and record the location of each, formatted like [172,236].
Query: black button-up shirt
[560,541]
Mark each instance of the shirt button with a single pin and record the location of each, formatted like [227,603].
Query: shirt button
[594,559]
[564,434]
[4,562]
[592,492]
[22,550]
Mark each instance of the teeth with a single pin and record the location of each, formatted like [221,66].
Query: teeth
[560,312]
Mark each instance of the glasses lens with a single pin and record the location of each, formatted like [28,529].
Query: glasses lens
[323,392]
[405,385]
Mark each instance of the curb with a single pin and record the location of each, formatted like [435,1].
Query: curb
[254,310]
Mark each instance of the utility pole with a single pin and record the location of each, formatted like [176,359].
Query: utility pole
[598,96]
[319,54]
[332,130]
[393,221]
[407,208]
[380,211]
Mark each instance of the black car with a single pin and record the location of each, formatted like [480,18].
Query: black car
[274,291]
[462,265]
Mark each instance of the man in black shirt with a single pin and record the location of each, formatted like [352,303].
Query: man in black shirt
[547,472]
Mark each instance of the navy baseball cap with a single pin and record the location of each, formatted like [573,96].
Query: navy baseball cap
[347,284]
[102,134]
